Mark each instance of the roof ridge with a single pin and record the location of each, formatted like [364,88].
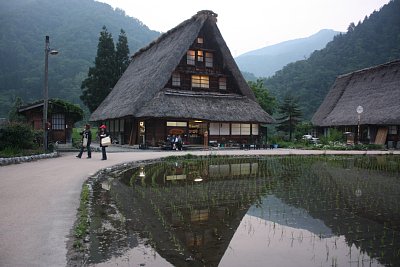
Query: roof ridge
[200,14]
[397,61]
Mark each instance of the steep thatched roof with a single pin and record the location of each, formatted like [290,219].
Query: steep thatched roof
[152,66]
[376,89]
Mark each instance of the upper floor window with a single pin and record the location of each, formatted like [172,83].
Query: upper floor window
[191,57]
[200,81]
[200,56]
[200,40]
[176,79]
[222,83]
[209,60]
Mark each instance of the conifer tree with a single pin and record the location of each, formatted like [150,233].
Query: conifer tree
[290,115]
[102,77]
[122,54]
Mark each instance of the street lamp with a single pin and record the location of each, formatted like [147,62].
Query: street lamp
[47,51]
[359,110]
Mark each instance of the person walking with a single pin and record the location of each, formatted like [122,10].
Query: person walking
[86,141]
[102,134]
[179,143]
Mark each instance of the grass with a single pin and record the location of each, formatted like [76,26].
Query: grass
[10,152]
[83,215]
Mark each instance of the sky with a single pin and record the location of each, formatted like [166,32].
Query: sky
[253,24]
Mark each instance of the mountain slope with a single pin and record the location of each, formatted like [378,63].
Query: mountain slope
[264,62]
[374,41]
[73,27]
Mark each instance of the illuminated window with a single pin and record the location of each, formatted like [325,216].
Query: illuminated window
[200,56]
[209,60]
[191,57]
[222,83]
[245,128]
[58,122]
[200,40]
[177,123]
[235,128]
[176,79]
[200,81]
[241,128]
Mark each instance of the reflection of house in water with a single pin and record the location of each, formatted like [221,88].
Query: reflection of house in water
[196,218]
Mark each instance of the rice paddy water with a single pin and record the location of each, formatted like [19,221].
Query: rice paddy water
[265,211]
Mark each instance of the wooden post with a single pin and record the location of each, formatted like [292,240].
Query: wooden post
[205,139]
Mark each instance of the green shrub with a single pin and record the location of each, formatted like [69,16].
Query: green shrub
[17,135]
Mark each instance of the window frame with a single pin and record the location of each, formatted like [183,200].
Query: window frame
[200,56]
[200,81]
[392,129]
[191,57]
[58,121]
[176,79]
[222,83]
[209,60]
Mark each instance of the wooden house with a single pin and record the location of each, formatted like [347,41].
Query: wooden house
[377,91]
[61,118]
[184,83]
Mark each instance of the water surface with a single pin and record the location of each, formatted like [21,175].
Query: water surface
[275,211]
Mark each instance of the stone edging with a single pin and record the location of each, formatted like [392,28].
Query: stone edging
[17,160]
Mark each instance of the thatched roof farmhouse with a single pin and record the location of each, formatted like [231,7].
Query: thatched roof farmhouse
[377,91]
[186,82]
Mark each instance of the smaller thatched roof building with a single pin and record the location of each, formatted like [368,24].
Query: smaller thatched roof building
[376,89]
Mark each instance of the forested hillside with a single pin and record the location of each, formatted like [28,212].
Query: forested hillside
[74,27]
[374,41]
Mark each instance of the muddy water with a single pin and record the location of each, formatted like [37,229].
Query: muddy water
[275,211]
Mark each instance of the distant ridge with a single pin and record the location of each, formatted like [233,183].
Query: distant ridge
[264,62]
[374,41]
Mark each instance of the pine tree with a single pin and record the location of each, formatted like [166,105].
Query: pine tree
[122,54]
[102,77]
[291,115]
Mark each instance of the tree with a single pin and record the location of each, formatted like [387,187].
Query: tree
[102,77]
[266,101]
[290,115]
[13,115]
[122,54]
